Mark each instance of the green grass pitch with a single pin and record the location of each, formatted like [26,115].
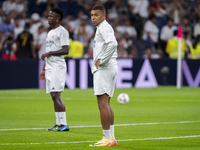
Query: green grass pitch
[163,118]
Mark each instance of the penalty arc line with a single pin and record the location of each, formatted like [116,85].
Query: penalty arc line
[122,140]
[92,126]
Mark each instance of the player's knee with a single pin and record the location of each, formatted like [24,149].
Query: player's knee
[54,96]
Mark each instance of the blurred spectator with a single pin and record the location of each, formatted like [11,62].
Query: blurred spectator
[122,17]
[197,28]
[127,43]
[140,7]
[160,53]
[9,5]
[71,32]
[151,32]
[115,23]
[193,18]
[84,32]
[72,7]
[167,32]
[197,8]
[76,49]
[136,21]
[88,5]
[184,4]
[8,47]
[127,28]
[2,17]
[116,9]
[2,39]
[35,24]
[82,6]
[23,19]
[148,54]
[186,29]
[44,20]
[195,49]
[25,47]
[17,28]
[41,41]
[121,52]
[21,6]
[39,6]
[133,52]
[127,18]
[76,22]
[13,14]
[172,47]
[108,4]
[159,11]
[89,53]
[7,27]
[39,2]
[82,36]
[51,4]
[68,19]
[168,5]
[177,12]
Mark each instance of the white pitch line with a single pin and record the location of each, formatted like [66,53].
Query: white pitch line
[122,140]
[93,126]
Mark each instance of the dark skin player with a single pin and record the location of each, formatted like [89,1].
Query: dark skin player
[54,22]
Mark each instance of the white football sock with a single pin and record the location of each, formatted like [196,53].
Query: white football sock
[106,134]
[112,130]
[62,118]
[57,118]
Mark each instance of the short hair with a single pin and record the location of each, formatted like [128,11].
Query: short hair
[27,25]
[99,7]
[170,19]
[175,32]
[58,11]
[41,27]
[152,16]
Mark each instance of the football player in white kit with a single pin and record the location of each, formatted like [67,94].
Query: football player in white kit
[105,71]
[54,70]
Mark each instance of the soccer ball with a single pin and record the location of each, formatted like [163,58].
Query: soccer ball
[123,98]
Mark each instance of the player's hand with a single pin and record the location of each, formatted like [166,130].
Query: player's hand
[45,55]
[42,75]
[97,63]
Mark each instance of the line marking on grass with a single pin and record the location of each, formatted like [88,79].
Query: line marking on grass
[93,126]
[122,140]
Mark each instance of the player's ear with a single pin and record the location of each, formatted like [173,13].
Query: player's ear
[104,15]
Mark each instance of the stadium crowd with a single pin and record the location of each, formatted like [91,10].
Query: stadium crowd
[143,28]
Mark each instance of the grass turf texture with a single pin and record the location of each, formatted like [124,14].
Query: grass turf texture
[167,108]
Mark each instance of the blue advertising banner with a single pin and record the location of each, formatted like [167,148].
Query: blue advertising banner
[139,73]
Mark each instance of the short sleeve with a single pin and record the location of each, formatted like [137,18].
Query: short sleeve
[64,37]
[107,34]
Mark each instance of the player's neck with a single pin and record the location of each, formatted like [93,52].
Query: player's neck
[55,26]
[100,22]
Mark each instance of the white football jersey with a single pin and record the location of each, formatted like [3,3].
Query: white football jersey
[103,37]
[56,38]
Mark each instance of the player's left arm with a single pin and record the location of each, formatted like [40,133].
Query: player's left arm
[63,51]
[111,42]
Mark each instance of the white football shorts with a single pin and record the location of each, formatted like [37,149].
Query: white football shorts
[55,79]
[104,81]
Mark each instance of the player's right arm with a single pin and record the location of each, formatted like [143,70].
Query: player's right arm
[42,74]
